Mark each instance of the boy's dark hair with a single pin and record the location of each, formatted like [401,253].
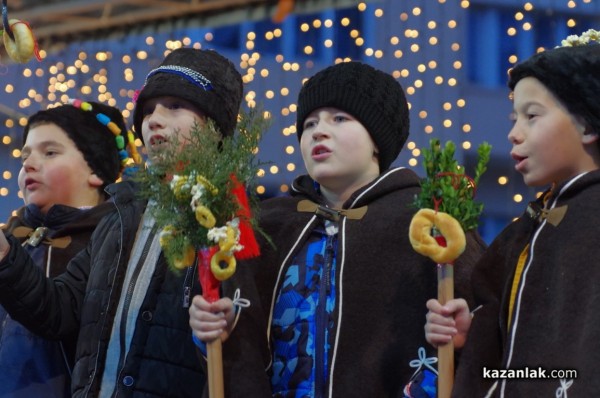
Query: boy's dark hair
[203,77]
[92,138]
[374,97]
[572,74]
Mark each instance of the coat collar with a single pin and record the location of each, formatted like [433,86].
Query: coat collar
[391,180]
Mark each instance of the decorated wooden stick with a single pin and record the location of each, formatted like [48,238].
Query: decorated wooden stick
[203,210]
[445,275]
[210,292]
[440,237]
[437,230]
[214,351]
[445,281]
[218,264]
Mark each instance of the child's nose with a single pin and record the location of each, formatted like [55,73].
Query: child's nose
[320,130]
[30,163]
[514,135]
[156,118]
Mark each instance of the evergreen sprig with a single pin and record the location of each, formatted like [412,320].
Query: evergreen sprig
[447,188]
[214,159]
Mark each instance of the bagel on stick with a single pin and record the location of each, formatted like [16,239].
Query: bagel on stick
[22,48]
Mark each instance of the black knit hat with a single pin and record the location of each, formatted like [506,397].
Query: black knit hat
[203,77]
[375,98]
[572,74]
[92,138]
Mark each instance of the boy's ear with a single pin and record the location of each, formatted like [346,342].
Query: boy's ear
[589,135]
[95,181]
[589,138]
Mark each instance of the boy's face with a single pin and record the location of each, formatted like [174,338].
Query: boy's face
[549,144]
[166,117]
[338,151]
[55,172]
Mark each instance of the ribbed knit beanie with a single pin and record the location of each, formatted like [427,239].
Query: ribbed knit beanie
[92,138]
[373,97]
[203,77]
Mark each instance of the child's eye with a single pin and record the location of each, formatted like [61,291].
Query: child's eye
[309,124]
[340,118]
[147,110]
[175,105]
[50,153]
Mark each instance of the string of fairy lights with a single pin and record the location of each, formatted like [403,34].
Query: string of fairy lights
[421,46]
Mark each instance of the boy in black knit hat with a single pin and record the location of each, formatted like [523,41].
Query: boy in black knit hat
[537,285]
[343,293]
[182,77]
[68,158]
[119,294]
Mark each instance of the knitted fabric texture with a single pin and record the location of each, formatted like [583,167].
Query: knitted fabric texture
[94,140]
[183,74]
[375,98]
[572,75]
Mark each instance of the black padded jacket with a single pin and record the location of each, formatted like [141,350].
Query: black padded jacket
[162,360]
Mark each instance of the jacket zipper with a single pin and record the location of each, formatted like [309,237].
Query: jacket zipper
[188,283]
[321,321]
[60,343]
[127,301]
[92,376]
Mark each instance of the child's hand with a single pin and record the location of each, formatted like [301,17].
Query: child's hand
[4,246]
[448,322]
[211,320]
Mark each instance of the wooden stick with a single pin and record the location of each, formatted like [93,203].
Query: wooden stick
[210,291]
[215,369]
[445,275]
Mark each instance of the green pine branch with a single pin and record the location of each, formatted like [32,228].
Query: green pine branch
[446,186]
[212,158]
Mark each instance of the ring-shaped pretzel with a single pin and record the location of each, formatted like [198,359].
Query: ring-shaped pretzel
[166,236]
[207,184]
[205,217]
[227,243]
[423,243]
[221,257]
[22,48]
[186,259]
[181,188]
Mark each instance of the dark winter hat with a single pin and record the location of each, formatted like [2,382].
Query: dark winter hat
[203,77]
[572,74]
[375,98]
[93,138]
